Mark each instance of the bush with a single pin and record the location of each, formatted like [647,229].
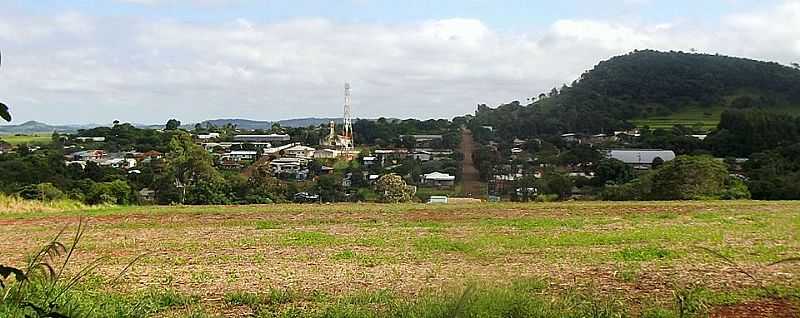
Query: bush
[735,189]
[114,192]
[689,178]
[393,189]
[42,191]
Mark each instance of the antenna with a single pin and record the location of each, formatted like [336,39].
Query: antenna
[348,119]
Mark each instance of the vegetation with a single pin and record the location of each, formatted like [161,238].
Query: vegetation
[568,258]
[646,84]
[685,178]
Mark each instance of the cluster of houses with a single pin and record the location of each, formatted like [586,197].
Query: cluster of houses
[120,160]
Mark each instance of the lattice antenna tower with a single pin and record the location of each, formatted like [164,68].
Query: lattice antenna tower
[348,118]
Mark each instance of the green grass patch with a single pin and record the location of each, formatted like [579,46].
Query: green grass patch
[535,223]
[33,139]
[437,243]
[309,239]
[642,254]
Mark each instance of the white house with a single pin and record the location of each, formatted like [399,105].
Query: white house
[92,139]
[641,158]
[119,163]
[300,151]
[326,154]
[287,165]
[239,155]
[438,179]
[208,136]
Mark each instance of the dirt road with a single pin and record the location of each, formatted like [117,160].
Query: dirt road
[470,175]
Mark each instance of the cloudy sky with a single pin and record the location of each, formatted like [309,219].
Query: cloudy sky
[145,61]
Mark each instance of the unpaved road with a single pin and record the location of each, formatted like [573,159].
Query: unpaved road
[470,175]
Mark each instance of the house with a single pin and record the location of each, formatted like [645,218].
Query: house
[641,159]
[287,165]
[574,138]
[369,161]
[438,179]
[241,155]
[391,154]
[87,155]
[422,140]
[147,195]
[208,136]
[263,138]
[422,155]
[90,139]
[149,156]
[119,163]
[5,147]
[300,151]
[602,138]
[326,154]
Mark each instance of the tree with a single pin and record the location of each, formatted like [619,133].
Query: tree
[558,184]
[613,171]
[393,189]
[689,178]
[188,163]
[3,108]
[173,124]
[796,65]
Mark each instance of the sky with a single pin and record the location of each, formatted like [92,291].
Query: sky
[146,61]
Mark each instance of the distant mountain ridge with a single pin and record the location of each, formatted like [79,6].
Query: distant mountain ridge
[259,124]
[33,126]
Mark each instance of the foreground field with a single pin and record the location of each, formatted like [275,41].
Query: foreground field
[244,260]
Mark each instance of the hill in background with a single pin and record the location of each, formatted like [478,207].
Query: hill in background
[651,88]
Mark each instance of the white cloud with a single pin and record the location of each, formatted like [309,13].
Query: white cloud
[76,68]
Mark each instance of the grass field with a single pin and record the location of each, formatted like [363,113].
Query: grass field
[554,259]
[701,117]
[27,139]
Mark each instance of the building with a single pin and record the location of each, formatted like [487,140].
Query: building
[641,159]
[119,163]
[147,195]
[300,151]
[423,140]
[438,179]
[326,154]
[422,155]
[241,155]
[208,136]
[87,155]
[263,138]
[90,139]
[5,147]
[287,165]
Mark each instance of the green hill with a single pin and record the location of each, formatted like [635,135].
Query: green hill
[657,89]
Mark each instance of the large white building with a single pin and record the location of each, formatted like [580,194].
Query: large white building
[641,158]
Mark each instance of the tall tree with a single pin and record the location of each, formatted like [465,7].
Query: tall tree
[173,124]
[3,108]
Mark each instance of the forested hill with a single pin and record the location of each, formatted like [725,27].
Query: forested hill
[645,84]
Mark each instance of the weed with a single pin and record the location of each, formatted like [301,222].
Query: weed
[642,254]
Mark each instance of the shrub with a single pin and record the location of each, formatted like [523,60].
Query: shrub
[393,189]
[42,191]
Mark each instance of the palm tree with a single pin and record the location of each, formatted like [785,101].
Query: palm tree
[3,108]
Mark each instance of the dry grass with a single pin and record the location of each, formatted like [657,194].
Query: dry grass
[14,205]
[640,250]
